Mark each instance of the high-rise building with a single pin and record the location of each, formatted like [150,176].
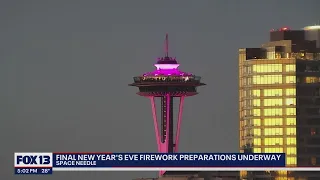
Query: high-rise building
[279,101]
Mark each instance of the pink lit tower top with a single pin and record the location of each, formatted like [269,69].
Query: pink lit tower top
[167,83]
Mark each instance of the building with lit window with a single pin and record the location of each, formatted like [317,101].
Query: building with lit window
[279,101]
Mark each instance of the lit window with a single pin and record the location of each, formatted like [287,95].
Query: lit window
[256,112]
[257,150]
[313,131]
[257,141]
[272,92]
[272,102]
[256,122]
[290,79]
[291,151]
[290,68]
[267,79]
[273,150]
[257,132]
[291,131]
[273,131]
[312,79]
[256,102]
[291,160]
[243,173]
[273,141]
[291,92]
[291,121]
[291,111]
[271,55]
[273,121]
[256,93]
[282,173]
[291,141]
[264,68]
[273,112]
[290,101]
[313,160]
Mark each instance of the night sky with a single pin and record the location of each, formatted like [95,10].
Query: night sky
[65,66]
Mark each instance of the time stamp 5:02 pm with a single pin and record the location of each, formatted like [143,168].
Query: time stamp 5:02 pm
[33,171]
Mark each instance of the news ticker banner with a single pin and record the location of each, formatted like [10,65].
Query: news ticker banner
[46,163]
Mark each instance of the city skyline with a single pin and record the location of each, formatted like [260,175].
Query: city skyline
[65,67]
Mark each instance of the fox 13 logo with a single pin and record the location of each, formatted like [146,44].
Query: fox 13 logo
[33,159]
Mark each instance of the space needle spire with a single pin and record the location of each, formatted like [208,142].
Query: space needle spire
[166,48]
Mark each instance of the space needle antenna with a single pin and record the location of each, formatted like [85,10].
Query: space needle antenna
[166,49]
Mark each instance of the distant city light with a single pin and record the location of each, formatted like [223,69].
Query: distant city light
[316,27]
[284,29]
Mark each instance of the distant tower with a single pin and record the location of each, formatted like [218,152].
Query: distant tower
[168,83]
[312,33]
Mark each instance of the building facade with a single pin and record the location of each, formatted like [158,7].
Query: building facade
[279,101]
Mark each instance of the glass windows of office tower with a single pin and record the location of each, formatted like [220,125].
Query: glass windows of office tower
[247,69]
[272,92]
[257,150]
[312,79]
[256,112]
[278,55]
[273,131]
[291,121]
[290,68]
[271,55]
[291,151]
[257,132]
[291,160]
[256,122]
[291,131]
[273,141]
[246,122]
[267,79]
[282,175]
[290,79]
[257,141]
[290,101]
[246,112]
[256,102]
[291,111]
[256,93]
[273,121]
[247,93]
[273,150]
[291,92]
[247,81]
[267,68]
[291,141]
[272,102]
[273,112]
